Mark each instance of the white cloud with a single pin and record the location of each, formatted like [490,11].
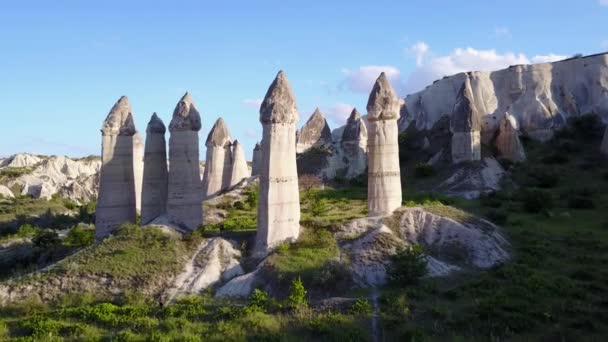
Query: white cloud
[420,49]
[548,58]
[362,79]
[338,113]
[255,103]
[603,2]
[502,31]
[252,133]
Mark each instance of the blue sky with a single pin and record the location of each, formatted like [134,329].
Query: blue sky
[63,64]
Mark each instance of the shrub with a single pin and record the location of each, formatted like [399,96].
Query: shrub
[490,200]
[238,205]
[408,266]
[542,178]
[258,300]
[362,306]
[46,238]
[497,216]
[252,197]
[80,237]
[423,170]
[536,201]
[318,205]
[297,294]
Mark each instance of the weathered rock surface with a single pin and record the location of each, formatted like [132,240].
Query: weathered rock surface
[138,168]
[354,144]
[185,190]
[156,173]
[6,192]
[473,179]
[216,260]
[239,170]
[256,160]
[218,161]
[243,285]
[74,179]
[315,132]
[452,245]
[540,96]
[507,142]
[116,201]
[465,127]
[384,176]
[279,199]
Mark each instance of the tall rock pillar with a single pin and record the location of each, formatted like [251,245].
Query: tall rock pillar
[184,201]
[354,144]
[279,201]
[507,143]
[138,168]
[155,178]
[116,199]
[239,169]
[384,175]
[465,126]
[256,160]
[218,160]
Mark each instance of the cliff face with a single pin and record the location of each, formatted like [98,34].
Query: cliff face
[540,96]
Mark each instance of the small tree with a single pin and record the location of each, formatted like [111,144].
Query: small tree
[407,266]
[258,300]
[297,294]
[308,183]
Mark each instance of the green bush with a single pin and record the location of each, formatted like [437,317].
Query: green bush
[362,306]
[536,200]
[258,300]
[318,205]
[542,177]
[80,237]
[423,170]
[297,294]
[46,238]
[238,205]
[408,266]
[252,197]
[497,216]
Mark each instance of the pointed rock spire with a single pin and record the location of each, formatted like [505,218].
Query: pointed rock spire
[464,116]
[120,119]
[256,159]
[219,134]
[185,116]
[279,105]
[355,129]
[156,125]
[315,132]
[354,116]
[383,103]
[239,164]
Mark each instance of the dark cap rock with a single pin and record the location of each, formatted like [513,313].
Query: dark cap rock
[120,119]
[156,125]
[219,135]
[383,103]
[279,105]
[185,116]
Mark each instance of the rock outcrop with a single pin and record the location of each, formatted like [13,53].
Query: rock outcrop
[116,201]
[279,199]
[507,142]
[540,96]
[384,176]
[465,127]
[155,176]
[218,161]
[184,199]
[604,146]
[239,170]
[138,168]
[6,192]
[21,160]
[256,160]
[315,132]
[354,144]
[470,180]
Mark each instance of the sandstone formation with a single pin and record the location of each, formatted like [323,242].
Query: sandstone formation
[604,147]
[138,168]
[256,160]
[384,176]
[21,160]
[239,169]
[6,192]
[184,198]
[465,127]
[470,180]
[218,161]
[155,176]
[315,132]
[354,144]
[279,200]
[116,201]
[507,142]
[540,96]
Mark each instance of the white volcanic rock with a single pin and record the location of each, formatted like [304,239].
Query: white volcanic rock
[507,142]
[451,245]
[279,199]
[6,192]
[465,127]
[216,260]
[138,168]
[239,170]
[218,161]
[156,174]
[604,146]
[384,176]
[20,160]
[116,202]
[540,96]
[354,144]
[184,199]
[256,160]
[315,132]
[473,179]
